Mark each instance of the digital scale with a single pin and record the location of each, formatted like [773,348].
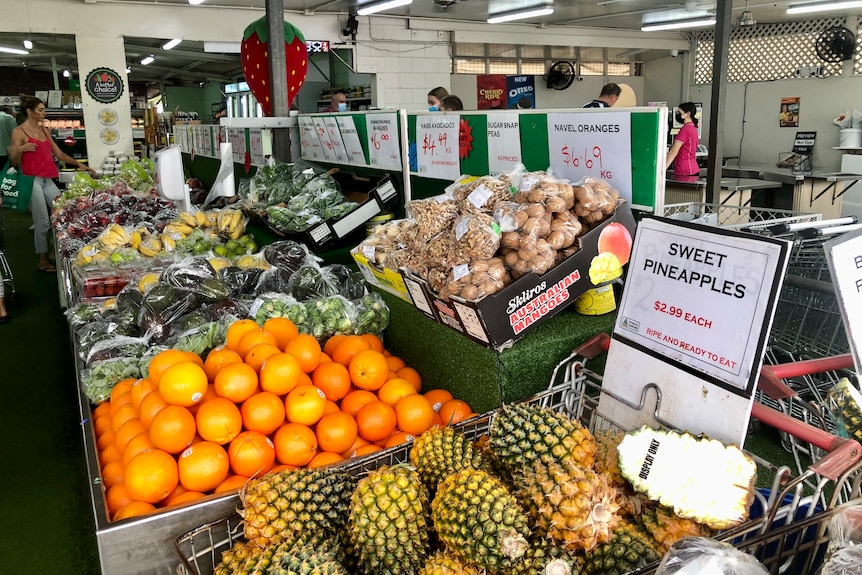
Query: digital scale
[799,159]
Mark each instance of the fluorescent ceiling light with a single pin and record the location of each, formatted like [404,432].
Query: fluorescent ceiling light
[223,47]
[128,69]
[679,24]
[14,51]
[822,7]
[520,14]
[196,2]
[147,60]
[381,6]
[66,74]
[171,44]
[28,44]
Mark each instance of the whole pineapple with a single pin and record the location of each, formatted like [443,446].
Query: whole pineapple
[478,519]
[523,434]
[442,563]
[307,560]
[607,458]
[546,557]
[439,452]
[284,505]
[578,508]
[666,527]
[627,550]
[234,558]
[389,523]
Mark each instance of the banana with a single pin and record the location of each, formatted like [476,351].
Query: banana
[182,229]
[136,239]
[212,219]
[150,247]
[200,219]
[188,219]
[168,243]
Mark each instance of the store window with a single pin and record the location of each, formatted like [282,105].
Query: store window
[592,68]
[766,52]
[508,67]
[511,59]
[857,60]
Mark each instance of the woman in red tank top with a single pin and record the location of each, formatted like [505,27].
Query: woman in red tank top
[34,150]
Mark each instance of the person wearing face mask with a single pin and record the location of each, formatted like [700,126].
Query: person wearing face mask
[434,97]
[338,102]
[451,103]
[683,152]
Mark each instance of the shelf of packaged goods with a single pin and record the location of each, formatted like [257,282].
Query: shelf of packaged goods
[363,99]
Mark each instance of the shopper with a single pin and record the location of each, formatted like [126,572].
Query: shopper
[434,97]
[451,103]
[338,103]
[34,150]
[684,149]
[7,124]
[607,98]
[4,315]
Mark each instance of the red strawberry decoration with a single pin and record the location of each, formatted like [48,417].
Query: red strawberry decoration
[255,61]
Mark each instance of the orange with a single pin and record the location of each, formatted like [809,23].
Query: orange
[354,400]
[133,509]
[236,330]
[252,338]
[183,383]
[395,363]
[295,444]
[336,432]
[282,328]
[150,406]
[113,473]
[162,361]
[438,421]
[102,424]
[178,490]
[368,370]
[280,373]
[109,454]
[437,397]
[414,413]
[412,376]
[305,404]
[120,388]
[324,358]
[391,375]
[259,353]
[124,413]
[398,438]
[126,432]
[395,389]
[194,358]
[367,450]
[172,429]
[106,439]
[121,400]
[330,344]
[331,407]
[333,379]
[263,412]
[304,379]
[351,451]
[138,444]
[217,358]
[386,352]
[283,467]
[184,497]
[306,350]
[324,458]
[251,454]
[218,421]
[376,421]
[454,411]
[236,382]
[208,396]
[232,483]
[375,342]
[116,497]
[151,476]
[139,391]
[347,348]
[203,466]
[101,409]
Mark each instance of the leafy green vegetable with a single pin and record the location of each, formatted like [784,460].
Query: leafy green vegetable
[104,375]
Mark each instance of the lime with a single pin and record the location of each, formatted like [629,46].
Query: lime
[220,250]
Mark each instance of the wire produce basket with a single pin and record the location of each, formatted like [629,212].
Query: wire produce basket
[745,218]
[778,532]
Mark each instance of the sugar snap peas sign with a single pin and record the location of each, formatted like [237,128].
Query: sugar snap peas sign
[104,85]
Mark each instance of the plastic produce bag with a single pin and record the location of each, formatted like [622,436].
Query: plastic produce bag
[595,199]
[477,237]
[702,556]
[312,282]
[82,314]
[100,379]
[433,215]
[188,273]
[271,305]
[241,281]
[202,338]
[844,554]
[330,316]
[476,280]
[372,314]
[844,403]
[114,347]
[288,255]
[273,280]
[481,196]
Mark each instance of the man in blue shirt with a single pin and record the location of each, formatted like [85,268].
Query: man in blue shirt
[609,96]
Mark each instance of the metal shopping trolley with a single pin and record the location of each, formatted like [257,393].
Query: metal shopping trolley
[8,281]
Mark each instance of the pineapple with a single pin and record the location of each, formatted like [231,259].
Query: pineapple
[627,550]
[702,480]
[286,505]
[523,434]
[307,559]
[845,404]
[442,563]
[545,557]
[578,508]
[479,520]
[607,458]
[666,528]
[234,558]
[439,452]
[388,522]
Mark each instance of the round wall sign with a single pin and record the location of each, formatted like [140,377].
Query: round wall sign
[104,85]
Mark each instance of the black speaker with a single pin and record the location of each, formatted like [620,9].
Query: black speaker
[351,27]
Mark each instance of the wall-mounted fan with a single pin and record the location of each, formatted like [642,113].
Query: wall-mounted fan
[560,75]
[835,44]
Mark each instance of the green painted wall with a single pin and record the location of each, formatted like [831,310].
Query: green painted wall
[198,100]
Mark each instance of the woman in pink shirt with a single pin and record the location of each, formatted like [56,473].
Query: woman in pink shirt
[683,152]
[34,150]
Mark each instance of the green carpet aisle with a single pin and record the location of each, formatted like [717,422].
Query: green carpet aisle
[47,525]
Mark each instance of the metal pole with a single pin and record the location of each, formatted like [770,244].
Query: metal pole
[723,25]
[278,77]
[54,72]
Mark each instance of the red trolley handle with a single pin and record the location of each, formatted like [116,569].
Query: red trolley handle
[771,375]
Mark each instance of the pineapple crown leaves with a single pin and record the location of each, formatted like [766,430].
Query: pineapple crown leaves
[261,28]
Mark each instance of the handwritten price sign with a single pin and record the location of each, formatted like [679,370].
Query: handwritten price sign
[437,146]
[351,139]
[326,143]
[383,148]
[592,143]
[309,140]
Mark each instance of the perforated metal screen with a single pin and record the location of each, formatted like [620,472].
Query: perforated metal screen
[857,61]
[767,51]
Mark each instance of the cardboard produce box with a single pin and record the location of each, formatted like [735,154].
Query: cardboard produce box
[388,280]
[498,320]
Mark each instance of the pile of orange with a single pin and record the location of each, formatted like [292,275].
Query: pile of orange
[270,398]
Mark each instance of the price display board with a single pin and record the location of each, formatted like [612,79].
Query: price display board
[352,143]
[334,134]
[309,140]
[695,313]
[325,143]
[237,139]
[383,148]
[844,255]
[504,142]
[596,145]
[437,145]
[256,146]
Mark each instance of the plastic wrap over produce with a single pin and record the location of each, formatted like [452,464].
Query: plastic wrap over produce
[844,553]
[702,556]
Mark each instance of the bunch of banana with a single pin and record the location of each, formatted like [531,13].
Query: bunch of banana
[150,247]
[138,236]
[230,224]
[90,254]
[113,237]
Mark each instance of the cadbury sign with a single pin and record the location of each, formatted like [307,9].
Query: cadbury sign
[104,85]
